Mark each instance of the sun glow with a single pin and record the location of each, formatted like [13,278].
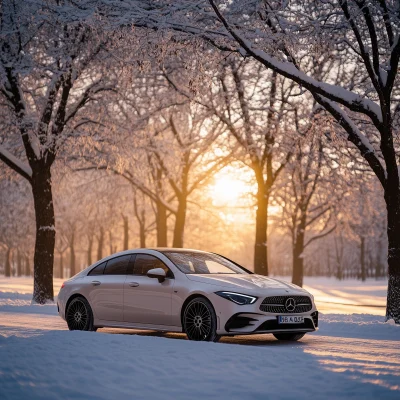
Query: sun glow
[231,188]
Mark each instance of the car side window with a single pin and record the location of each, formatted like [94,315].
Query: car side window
[146,262]
[99,269]
[117,265]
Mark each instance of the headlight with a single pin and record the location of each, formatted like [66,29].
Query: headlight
[237,298]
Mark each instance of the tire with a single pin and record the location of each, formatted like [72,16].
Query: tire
[292,337]
[79,315]
[200,321]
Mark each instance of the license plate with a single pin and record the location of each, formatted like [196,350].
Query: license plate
[290,319]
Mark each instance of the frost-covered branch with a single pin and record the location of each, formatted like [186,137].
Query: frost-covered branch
[16,164]
[352,100]
[355,136]
[319,236]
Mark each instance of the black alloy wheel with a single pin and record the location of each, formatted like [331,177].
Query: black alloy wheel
[79,315]
[200,321]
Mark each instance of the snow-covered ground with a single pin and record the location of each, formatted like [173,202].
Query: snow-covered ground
[344,297]
[353,355]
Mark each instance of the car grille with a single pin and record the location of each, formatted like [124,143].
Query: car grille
[276,304]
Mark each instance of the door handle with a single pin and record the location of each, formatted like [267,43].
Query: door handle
[133,284]
[96,283]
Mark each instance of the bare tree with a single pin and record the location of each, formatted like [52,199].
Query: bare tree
[16,222]
[254,106]
[61,247]
[167,162]
[307,203]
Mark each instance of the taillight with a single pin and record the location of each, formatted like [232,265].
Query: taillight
[63,285]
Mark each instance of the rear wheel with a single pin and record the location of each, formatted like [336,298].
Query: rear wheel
[292,337]
[79,315]
[200,321]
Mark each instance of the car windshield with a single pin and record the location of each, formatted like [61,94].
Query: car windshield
[203,263]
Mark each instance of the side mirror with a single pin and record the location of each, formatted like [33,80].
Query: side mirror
[158,273]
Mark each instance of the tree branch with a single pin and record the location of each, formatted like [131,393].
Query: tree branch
[321,235]
[18,166]
[353,101]
[356,137]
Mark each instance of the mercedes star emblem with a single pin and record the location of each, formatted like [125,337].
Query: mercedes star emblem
[290,304]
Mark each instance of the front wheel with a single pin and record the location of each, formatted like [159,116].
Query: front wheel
[200,321]
[79,315]
[292,337]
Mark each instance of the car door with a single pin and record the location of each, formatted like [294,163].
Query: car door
[107,288]
[146,300]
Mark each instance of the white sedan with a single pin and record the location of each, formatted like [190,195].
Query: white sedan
[202,294]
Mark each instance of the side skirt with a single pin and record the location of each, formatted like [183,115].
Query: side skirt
[129,325]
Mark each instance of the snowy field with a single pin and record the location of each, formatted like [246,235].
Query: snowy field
[355,354]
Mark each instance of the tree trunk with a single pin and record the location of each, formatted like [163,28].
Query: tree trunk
[329,262]
[339,259]
[100,244]
[45,235]
[89,250]
[72,258]
[180,219]
[61,272]
[110,239]
[392,198]
[161,212]
[126,233]
[298,253]
[362,259]
[380,262]
[27,266]
[142,236]
[7,268]
[161,225]
[261,245]
[142,229]
[141,219]
[19,263]
[12,262]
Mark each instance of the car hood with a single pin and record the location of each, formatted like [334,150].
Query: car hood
[250,282]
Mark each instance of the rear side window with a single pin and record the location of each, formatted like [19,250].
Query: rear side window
[99,269]
[146,262]
[117,265]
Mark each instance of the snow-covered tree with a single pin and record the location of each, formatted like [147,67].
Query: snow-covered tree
[16,224]
[46,82]
[364,36]
[308,206]
[255,108]
[167,162]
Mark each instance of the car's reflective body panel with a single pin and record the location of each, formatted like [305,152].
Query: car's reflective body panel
[145,303]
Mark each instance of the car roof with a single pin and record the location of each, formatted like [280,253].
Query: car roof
[144,249]
[175,250]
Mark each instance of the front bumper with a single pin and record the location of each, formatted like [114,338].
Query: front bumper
[246,323]
[234,319]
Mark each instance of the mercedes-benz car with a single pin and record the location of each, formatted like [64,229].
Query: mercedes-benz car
[204,295]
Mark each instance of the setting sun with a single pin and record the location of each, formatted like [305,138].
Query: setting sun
[231,188]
